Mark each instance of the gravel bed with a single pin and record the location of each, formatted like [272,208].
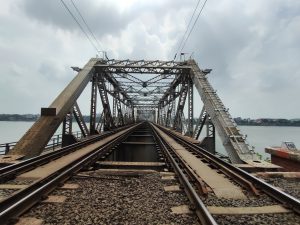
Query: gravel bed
[290,186]
[6,192]
[251,201]
[20,182]
[259,219]
[170,182]
[126,201]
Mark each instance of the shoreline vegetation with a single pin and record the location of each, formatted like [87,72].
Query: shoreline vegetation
[238,120]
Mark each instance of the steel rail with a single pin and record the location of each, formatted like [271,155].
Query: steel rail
[202,212]
[286,199]
[15,169]
[21,201]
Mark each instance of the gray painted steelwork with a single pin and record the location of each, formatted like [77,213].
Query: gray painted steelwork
[132,94]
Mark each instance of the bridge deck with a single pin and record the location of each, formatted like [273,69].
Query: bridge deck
[55,165]
[221,186]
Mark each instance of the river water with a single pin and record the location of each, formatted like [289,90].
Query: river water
[259,137]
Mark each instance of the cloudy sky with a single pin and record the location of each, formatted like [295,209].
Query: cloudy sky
[252,47]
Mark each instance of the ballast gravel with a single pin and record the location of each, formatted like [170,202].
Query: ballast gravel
[259,219]
[129,200]
[290,186]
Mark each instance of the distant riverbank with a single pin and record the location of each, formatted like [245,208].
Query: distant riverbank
[257,136]
[238,120]
[30,117]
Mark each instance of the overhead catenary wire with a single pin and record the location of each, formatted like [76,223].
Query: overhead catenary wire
[191,30]
[81,28]
[187,28]
[87,26]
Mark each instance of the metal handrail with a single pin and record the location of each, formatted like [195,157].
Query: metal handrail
[21,201]
[286,199]
[53,143]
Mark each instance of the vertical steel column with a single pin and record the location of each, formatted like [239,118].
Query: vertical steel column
[132,108]
[190,109]
[93,105]
[173,112]
[170,108]
[158,113]
[67,137]
[108,118]
[67,124]
[119,109]
[100,123]
[177,125]
[210,129]
[79,118]
[164,114]
[209,142]
[114,107]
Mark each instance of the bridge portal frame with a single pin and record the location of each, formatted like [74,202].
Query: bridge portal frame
[169,104]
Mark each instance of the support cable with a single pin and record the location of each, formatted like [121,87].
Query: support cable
[81,28]
[187,28]
[87,26]
[184,43]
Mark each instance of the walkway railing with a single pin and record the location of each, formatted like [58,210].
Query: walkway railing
[54,142]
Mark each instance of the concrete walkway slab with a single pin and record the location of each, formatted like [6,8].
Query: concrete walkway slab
[55,199]
[220,185]
[53,166]
[182,209]
[270,209]
[13,186]
[172,188]
[29,221]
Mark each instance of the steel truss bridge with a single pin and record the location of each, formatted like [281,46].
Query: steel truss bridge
[134,90]
[147,106]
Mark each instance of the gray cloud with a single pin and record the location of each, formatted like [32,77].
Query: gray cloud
[103,19]
[252,47]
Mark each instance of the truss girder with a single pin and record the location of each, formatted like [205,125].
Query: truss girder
[170,109]
[233,141]
[37,137]
[200,124]
[80,121]
[177,125]
[171,90]
[100,123]
[120,116]
[34,141]
[108,122]
[142,66]
[93,105]
[190,108]
[116,85]
[67,124]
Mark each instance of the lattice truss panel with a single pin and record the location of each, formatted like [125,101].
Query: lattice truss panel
[131,90]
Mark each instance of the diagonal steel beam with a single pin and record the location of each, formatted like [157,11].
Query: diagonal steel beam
[108,119]
[37,137]
[80,121]
[177,125]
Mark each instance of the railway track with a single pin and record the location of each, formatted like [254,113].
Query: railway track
[92,149]
[213,197]
[262,201]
